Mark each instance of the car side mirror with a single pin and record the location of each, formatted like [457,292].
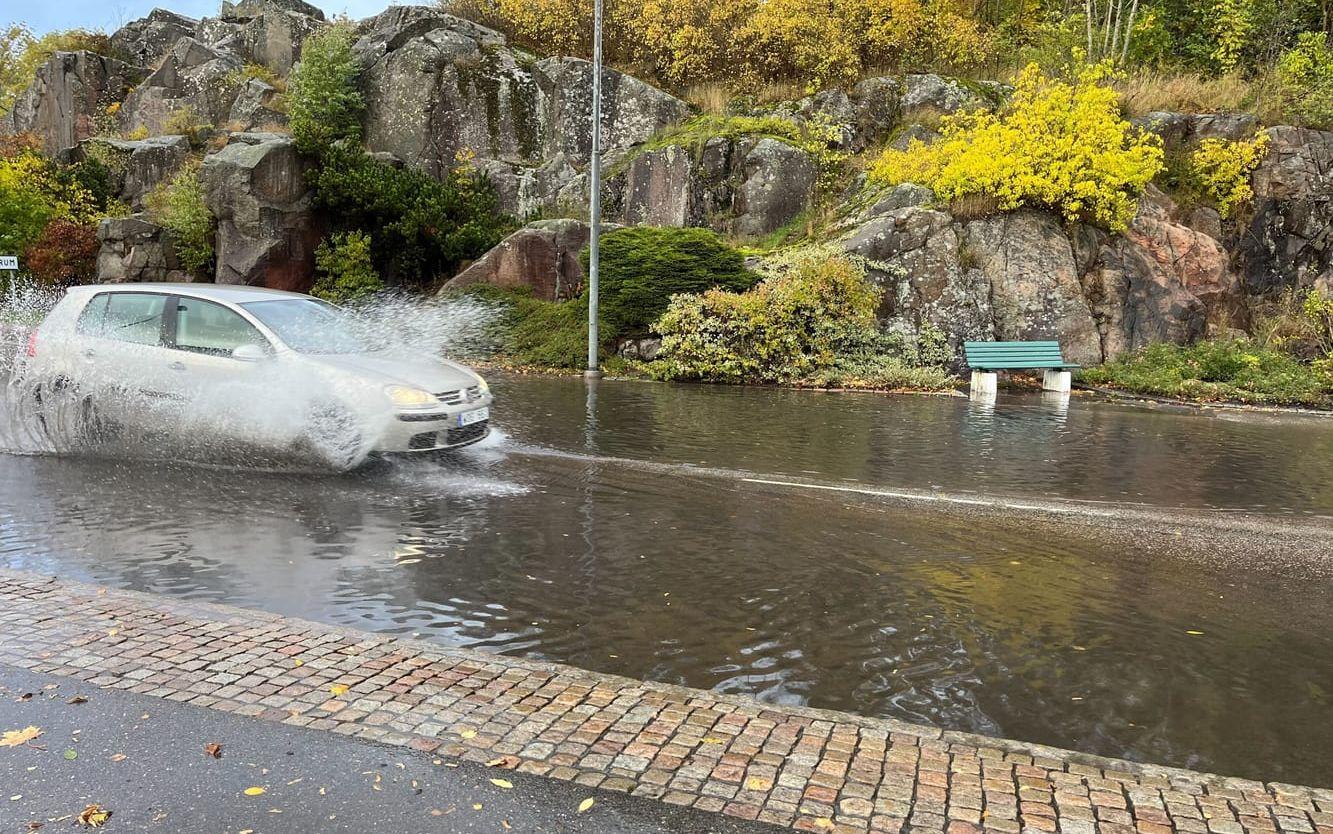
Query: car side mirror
[249,353]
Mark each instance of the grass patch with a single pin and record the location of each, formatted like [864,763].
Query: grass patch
[1232,370]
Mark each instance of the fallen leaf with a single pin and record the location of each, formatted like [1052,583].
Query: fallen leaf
[823,822]
[77,699]
[16,797]
[502,783]
[468,733]
[299,662]
[93,816]
[507,762]
[26,696]
[505,824]
[13,738]
[476,806]
[1193,632]
[213,749]
[586,804]
[338,689]
[712,740]
[754,783]
[71,755]
[118,757]
[112,632]
[255,791]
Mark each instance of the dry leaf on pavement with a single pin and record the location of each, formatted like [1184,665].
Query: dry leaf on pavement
[502,783]
[14,738]
[255,791]
[77,699]
[506,762]
[586,804]
[93,816]
[213,749]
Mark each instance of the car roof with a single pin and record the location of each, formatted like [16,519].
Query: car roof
[232,293]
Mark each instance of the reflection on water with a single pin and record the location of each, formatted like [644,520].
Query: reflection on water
[794,597]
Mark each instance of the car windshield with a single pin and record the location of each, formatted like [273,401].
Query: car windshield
[309,326]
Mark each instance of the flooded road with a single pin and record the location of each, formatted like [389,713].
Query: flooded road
[758,542]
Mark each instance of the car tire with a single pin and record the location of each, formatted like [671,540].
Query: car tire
[66,419]
[333,437]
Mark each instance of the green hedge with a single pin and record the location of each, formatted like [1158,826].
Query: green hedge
[642,267]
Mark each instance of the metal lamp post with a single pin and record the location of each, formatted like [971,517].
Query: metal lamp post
[595,195]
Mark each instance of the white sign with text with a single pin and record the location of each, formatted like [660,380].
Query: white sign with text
[9,262]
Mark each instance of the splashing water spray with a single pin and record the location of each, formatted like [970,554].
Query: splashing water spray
[262,417]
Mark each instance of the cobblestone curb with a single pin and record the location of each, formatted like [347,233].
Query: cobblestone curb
[809,769]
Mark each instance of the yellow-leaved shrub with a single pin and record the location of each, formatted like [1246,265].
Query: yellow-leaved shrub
[1223,169]
[747,42]
[1058,144]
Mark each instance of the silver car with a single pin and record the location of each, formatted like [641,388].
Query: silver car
[245,366]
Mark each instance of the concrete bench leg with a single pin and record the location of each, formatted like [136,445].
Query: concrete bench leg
[1058,381]
[984,383]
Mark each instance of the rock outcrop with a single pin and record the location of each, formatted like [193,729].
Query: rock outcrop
[1023,275]
[136,249]
[543,256]
[193,76]
[145,41]
[267,230]
[746,187]
[1289,238]
[438,87]
[69,100]
[137,167]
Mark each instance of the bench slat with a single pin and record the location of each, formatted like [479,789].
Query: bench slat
[1014,355]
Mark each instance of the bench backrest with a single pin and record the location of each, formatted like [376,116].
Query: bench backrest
[1013,355]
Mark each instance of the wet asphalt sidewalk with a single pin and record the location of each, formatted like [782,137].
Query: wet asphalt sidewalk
[145,760]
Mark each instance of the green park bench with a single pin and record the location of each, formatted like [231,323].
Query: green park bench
[986,358]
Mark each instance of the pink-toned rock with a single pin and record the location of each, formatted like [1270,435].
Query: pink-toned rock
[542,255]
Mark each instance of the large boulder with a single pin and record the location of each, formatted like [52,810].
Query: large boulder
[543,256]
[256,108]
[748,187]
[267,230]
[270,32]
[68,100]
[1289,239]
[1024,275]
[1035,292]
[136,249]
[137,167]
[194,76]
[145,41]
[917,260]
[439,88]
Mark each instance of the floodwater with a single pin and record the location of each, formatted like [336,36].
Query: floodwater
[1116,579]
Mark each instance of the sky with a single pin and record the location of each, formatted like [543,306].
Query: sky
[44,15]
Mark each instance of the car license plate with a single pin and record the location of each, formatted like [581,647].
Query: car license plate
[467,418]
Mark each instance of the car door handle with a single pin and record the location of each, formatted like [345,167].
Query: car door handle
[177,366]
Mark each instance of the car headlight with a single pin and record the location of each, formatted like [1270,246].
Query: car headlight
[483,384]
[405,396]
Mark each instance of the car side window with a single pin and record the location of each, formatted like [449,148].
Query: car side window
[134,317]
[205,327]
[92,319]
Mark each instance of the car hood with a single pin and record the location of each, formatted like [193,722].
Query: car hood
[435,376]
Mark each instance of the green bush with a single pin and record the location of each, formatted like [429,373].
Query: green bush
[1216,370]
[534,333]
[813,324]
[344,267]
[642,267]
[324,105]
[177,205]
[1306,74]
[423,227]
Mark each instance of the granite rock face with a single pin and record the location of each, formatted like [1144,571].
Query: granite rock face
[139,166]
[136,249]
[747,187]
[267,229]
[1025,276]
[69,99]
[543,255]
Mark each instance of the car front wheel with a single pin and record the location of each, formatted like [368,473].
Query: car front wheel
[333,436]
